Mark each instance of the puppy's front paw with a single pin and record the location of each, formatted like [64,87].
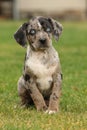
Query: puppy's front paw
[42,108]
[50,112]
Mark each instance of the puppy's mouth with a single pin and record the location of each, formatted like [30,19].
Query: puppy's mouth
[40,44]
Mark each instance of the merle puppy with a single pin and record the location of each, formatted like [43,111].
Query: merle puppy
[41,80]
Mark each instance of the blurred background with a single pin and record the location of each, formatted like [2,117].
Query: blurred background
[64,10]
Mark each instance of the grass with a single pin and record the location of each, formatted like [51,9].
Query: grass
[72,48]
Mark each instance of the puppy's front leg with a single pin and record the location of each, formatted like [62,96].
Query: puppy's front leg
[37,97]
[54,98]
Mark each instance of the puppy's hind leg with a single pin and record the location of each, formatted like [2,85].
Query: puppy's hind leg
[23,92]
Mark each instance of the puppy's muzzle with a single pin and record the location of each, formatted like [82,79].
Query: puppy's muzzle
[43,41]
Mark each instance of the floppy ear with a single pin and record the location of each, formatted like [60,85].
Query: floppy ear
[57,28]
[20,35]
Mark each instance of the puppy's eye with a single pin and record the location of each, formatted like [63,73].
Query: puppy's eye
[32,31]
[48,30]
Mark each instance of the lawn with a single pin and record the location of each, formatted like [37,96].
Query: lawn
[72,48]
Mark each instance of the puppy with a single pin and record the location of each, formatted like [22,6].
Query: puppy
[41,80]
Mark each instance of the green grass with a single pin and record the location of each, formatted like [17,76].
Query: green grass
[72,48]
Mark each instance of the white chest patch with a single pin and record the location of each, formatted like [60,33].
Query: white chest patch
[35,66]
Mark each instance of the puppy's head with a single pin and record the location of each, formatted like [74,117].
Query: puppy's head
[38,32]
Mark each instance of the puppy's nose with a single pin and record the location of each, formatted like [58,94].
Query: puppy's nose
[42,40]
